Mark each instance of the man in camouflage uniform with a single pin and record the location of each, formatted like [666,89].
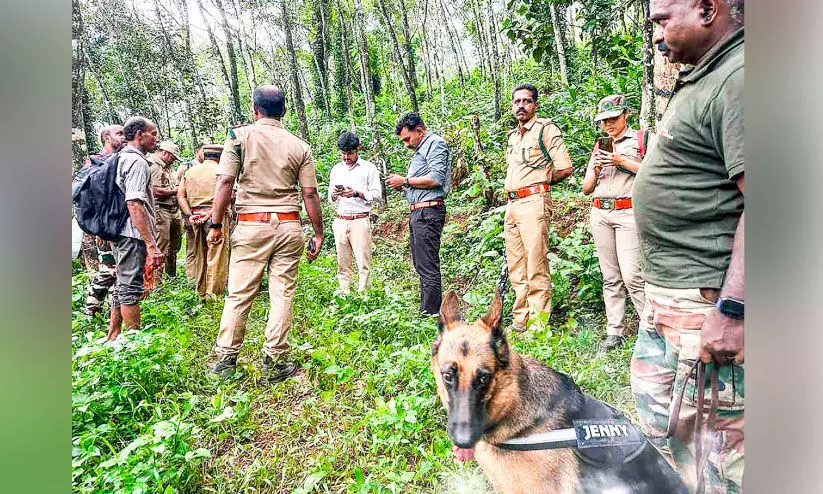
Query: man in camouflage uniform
[103,279]
[169,220]
[273,169]
[688,200]
[532,167]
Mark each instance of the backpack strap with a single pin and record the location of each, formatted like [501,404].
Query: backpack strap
[642,141]
[542,147]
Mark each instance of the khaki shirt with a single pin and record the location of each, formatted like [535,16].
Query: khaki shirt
[612,181]
[162,177]
[274,162]
[523,154]
[198,184]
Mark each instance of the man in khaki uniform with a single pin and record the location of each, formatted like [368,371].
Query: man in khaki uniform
[169,220]
[610,175]
[268,163]
[532,166]
[210,265]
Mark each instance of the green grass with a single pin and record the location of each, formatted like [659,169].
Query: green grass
[362,415]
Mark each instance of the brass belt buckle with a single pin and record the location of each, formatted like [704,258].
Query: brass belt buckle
[607,203]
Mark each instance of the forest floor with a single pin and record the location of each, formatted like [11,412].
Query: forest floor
[362,413]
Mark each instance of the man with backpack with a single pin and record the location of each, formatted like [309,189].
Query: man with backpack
[111,136]
[137,240]
[536,158]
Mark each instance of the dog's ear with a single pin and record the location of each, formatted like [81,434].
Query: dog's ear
[449,311]
[494,315]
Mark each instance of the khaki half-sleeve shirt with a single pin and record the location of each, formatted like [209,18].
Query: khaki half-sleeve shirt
[612,182]
[199,184]
[523,154]
[162,177]
[271,163]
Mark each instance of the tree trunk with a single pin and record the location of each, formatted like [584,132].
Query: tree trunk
[234,85]
[665,76]
[407,43]
[482,42]
[295,74]
[245,50]
[78,89]
[365,73]
[560,47]
[215,50]
[647,120]
[496,62]
[407,81]
[452,43]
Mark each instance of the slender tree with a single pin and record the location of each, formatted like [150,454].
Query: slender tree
[295,73]
[78,89]
[404,72]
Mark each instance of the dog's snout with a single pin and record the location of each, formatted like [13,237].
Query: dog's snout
[462,435]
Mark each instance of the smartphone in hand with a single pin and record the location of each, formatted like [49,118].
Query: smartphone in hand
[310,248]
[605,144]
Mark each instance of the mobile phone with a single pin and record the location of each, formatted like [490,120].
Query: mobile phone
[310,248]
[605,144]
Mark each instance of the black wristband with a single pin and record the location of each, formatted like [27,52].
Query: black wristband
[215,225]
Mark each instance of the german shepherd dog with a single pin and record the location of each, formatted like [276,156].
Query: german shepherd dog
[492,394]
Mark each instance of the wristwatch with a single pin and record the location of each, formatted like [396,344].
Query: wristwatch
[730,307]
[215,225]
[406,181]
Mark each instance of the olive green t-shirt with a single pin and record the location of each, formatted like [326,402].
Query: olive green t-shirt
[687,204]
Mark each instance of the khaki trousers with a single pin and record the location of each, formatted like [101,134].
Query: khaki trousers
[254,247]
[211,262]
[353,237]
[526,231]
[169,236]
[618,250]
[190,253]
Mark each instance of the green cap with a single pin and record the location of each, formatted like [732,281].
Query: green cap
[610,107]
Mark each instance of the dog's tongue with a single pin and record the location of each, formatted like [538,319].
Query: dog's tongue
[463,454]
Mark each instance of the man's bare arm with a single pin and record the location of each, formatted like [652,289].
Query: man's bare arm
[424,183]
[140,219]
[182,200]
[733,285]
[560,175]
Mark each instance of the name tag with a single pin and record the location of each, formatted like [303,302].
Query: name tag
[594,433]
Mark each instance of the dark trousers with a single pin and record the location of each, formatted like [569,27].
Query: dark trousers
[426,226]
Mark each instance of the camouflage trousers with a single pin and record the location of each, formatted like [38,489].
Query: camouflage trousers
[667,346]
[101,281]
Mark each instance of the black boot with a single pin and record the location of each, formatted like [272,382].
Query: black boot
[275,371]
[612,341]
[226,366]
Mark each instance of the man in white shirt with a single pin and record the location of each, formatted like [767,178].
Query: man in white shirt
[354,185]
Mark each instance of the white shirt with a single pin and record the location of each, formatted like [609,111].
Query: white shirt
[362,177]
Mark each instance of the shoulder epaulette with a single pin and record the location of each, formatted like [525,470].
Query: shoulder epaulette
[230,131]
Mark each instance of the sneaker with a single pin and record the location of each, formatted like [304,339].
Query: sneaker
[225,367]
[612,341]
[275,371]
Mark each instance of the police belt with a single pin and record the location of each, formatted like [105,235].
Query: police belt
[612,203]
[528,191]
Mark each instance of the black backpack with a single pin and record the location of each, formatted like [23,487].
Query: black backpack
[99,204]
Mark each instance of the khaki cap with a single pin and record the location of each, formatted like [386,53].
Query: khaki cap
[610,107]
[172,148]
[214,148]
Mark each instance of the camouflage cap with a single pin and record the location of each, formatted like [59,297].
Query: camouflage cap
[171,147]
[610,107]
